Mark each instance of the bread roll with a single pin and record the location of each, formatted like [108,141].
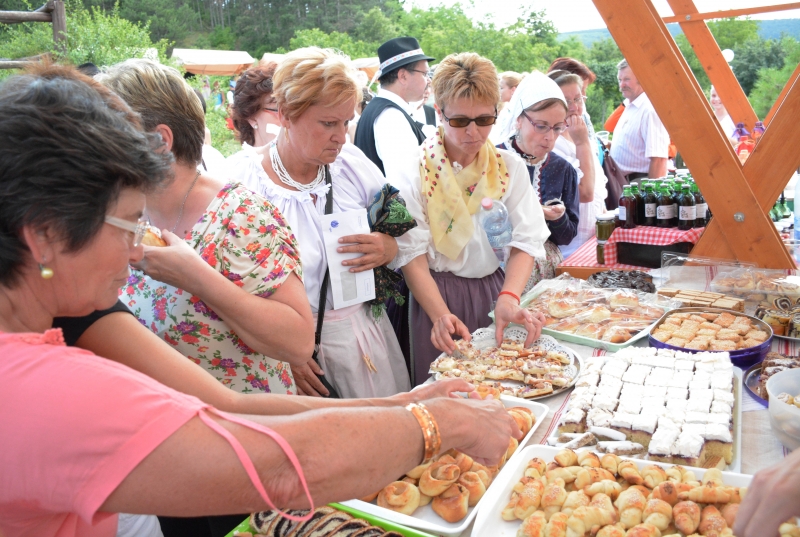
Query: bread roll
[452,504]
[399,496]
[152,237]
[438,477]
[475,485]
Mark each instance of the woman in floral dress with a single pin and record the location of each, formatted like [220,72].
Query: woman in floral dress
[210,306]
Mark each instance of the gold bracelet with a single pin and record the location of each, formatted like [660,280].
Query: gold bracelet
[430,430]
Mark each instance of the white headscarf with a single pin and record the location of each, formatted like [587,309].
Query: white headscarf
[534,88]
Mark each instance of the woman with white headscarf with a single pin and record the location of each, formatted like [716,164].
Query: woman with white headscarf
[448,263]
[538,117]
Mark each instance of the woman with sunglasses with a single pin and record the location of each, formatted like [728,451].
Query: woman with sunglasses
[538,118]
[255,114]
[449,265]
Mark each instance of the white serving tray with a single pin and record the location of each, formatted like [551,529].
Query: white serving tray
[490,523]
[736,462]
[424,518]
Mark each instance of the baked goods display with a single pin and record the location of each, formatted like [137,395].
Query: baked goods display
[669,406]
[782,315]
[608,315]
[511,369]
[712,331]
[757,285]
[325,522]
[623,279]
[705,299]
[789,399]
[451,483]
[580,494]
[152,237]
[774,363]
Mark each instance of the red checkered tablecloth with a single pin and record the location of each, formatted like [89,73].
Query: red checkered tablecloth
[656,236]
[586,256]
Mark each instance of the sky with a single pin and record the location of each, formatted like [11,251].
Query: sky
[574,15]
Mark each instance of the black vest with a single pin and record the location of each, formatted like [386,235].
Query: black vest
[430,114]
[365,132]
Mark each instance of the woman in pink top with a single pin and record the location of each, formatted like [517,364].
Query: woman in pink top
[84,438]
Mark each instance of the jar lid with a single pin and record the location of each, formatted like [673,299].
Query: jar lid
[605,216]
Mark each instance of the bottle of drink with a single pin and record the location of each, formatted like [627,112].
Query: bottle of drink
[700,206]
[745,144]
[664,208]
[758,131]
[650,203]
[676,195]
[495,222]
[740,131]
[639,203]
[627,208]
[775,212]
[785,212]
[687,208]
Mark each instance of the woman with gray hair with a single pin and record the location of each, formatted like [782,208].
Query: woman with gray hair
[316,92]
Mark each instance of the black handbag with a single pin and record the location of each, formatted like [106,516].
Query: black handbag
[323,295]
[616,181]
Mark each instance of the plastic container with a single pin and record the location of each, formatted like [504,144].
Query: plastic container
[785,418]
[495,222]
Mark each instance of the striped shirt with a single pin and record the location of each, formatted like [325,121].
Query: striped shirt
[639,136]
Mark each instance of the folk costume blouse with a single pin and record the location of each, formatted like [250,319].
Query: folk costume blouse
[448,228]
[247,240]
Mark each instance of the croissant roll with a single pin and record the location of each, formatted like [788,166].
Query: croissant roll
[452,504]
[788,529]
[523,419]
[410,480]
[533,526]
[589,459]
[712,523]
[583,519]
[610,488]
[513,444]
[474,485]
[484,477]
[686,516]
[399,496]
[611,531]
[668,491]
[610,462]
[553,497]
[729,513]
[566,457]
[438,477]
[508,511]
[643,530]
[536,468]
[574,500]
[658,513]
[529,499]
[713,476]
[628,471]
[630,503]
[464,462]
[653,475]
[603,501]
[416,472]
[706,494]
[586,476]
[567,474]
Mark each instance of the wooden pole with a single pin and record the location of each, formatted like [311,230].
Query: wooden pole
[729,13]
[59,26]
[14,17]
[708,52]
[666,78]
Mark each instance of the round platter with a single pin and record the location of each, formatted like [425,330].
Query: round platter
[787,338]
[484,338]
[750,381]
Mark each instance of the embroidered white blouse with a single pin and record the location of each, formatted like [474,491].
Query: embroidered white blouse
[355,181]
[477,259]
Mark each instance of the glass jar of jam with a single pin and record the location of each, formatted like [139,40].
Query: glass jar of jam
[604,226]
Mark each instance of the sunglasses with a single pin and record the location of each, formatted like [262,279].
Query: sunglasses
[543,128]
[138,229]
[461,122]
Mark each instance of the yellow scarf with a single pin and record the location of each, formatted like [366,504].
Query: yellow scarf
[453,199]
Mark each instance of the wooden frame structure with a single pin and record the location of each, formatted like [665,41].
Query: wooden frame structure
[740,196]
[53,12]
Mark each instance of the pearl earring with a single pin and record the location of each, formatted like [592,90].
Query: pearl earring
[45,272]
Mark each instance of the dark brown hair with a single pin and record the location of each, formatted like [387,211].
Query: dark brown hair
[575,67]
[252,86]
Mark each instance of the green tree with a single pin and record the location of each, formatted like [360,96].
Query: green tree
[771,80]
[753,56]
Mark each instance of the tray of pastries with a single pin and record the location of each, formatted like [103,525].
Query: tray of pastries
[545,368]
[746,338]
[703,299]
[757,376]
[623,279]
[758,285]
[609,319]
[657,404]
[553,491]
[782,315]
[444,495]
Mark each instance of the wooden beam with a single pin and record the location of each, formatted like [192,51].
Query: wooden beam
[650,50]
[14,64]
[730,13]
[14,17]
[782,96]
[59,25]
[708,52]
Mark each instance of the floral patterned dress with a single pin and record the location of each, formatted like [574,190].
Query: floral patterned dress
[246,239]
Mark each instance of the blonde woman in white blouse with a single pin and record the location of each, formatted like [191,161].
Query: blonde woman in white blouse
[315,93]
[449,265]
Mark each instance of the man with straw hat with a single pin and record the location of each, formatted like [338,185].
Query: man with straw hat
[386,132]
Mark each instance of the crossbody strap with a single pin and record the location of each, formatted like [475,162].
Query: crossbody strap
[323,292]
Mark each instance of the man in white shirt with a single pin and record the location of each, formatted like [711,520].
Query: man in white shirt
[425,114]
[386,132]
[641,143]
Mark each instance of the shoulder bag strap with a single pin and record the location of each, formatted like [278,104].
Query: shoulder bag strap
[323,292]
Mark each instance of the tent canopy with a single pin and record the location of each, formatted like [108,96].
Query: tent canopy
[213,62]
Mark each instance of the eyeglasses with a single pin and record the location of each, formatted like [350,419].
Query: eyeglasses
[265,109]
[428,74]
[461,122]
[576,102]
[138,229]
[542,128]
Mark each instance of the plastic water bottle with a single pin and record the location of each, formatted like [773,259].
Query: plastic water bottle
[495,222]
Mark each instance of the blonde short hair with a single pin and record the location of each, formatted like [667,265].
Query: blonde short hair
[511,78]
[310,76]
[465,75]
[162,97]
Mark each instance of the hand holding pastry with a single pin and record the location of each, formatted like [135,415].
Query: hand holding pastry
[176,264]
[553,212]
[771,499]
[577,129]
[439,388]
[444,328]
[508,311]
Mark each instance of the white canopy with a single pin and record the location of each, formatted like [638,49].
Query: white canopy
[213,62]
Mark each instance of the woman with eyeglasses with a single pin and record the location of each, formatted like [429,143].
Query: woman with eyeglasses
[449,265]
[226,291]
[538,118]
[254,113]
